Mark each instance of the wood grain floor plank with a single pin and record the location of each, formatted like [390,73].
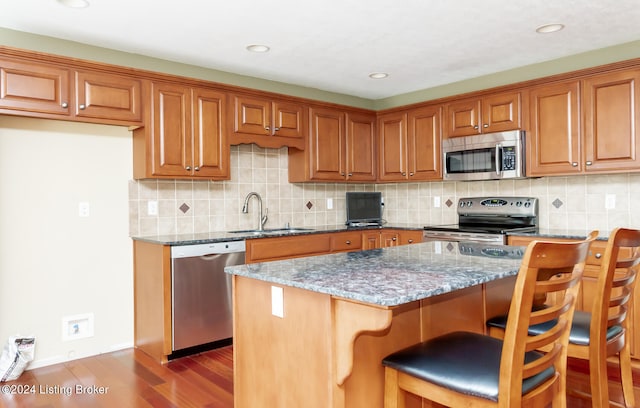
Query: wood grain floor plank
[200,381]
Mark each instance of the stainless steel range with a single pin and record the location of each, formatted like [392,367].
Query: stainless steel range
[488,220]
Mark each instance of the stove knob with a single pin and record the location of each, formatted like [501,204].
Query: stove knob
[519,204]
[527,204]
[469,203]
[461,204]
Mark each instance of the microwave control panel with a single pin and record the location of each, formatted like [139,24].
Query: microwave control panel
[508,158]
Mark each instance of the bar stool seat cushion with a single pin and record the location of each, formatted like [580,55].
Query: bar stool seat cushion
[579,333]
[468,363]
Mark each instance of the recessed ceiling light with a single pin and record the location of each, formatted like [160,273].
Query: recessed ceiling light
[378,75]
[74,3]
[549,28]
[258,48]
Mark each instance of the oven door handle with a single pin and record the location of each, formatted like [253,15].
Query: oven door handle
[498,159]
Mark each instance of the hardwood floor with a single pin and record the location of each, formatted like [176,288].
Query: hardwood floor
[129,378]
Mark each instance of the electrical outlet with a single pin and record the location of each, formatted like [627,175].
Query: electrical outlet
[610,201]
[277,301]
[329,203]
[152,207]
[83,209]
[436,202]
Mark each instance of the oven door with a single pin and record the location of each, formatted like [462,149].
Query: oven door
[486,157]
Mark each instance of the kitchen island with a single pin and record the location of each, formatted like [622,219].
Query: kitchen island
[312,331]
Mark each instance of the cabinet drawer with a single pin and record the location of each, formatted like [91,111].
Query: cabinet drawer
[346,241]
[271,249]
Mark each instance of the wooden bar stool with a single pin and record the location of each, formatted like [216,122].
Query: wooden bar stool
[469,369]
[601,333]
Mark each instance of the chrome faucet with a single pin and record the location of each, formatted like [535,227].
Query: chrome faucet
[245,209]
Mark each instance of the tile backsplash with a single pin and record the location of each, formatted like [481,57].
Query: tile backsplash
[578,202]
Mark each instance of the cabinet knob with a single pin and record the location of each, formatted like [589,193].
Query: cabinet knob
[65,105]
[276,129]
[188,168]
[350,174]
[267,128]
[574,164]
[589,162]
[485,125]
[82,107]
[411,174]
[348,242]
[598,255]
[410,241]
[475,127]
[342,173]
[196,168]
[394,239]
[404,173]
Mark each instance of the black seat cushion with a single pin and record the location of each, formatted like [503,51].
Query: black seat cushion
[579,328]
[468,363]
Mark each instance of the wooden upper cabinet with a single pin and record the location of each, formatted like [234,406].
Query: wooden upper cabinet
[409,145]
[360,152]
[341,147]
[108,96]
[490,113]
[185,135]
[607,140]
[611,117]
[553,139]
[34,88]
[268,123]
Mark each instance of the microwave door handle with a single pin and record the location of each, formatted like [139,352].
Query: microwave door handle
[498,159]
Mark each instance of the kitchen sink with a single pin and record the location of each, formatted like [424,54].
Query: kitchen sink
[267,231]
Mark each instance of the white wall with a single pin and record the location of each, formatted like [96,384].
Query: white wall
[54,263]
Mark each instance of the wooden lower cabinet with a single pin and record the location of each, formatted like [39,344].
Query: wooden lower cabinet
[390,237]
[589,284]
[327,351]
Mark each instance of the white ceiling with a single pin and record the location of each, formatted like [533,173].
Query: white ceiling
[333,45]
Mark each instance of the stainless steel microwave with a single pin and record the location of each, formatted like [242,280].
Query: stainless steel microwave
[491,156]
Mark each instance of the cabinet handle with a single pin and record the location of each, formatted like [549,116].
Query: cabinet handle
[475,127]
[394,239]
[82,107]
[589,162]
[196,168]
[598,255]
[267,128]
[348,242]
[410,241]
[276,129]
[485,126]
[404,173]
[342,174]
[350,174]
[188,168]
[65,105]
[574,164]
[411,174]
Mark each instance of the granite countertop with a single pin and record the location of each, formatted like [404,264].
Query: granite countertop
[390,276]
[225,236]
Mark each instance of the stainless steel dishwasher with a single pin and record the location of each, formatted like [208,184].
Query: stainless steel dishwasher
[201,292]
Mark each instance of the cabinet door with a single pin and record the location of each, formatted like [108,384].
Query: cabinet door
[34,88]
[327,145]
[611,114]
[389,238]
[210,148]
[288,120]
[107,96]
[361,147]
[410,237]
[463,118]
[501,112]
[370,240]
[252,115]
[423,143]
[553,141]
[392,146]
[171,134]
